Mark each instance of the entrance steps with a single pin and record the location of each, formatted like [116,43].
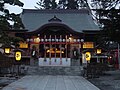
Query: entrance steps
[54,70]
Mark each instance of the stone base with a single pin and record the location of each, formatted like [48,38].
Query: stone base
[75,62]
[54,70]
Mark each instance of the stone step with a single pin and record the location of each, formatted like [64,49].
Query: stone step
[54,70]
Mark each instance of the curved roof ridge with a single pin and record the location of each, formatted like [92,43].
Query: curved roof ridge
[56,11]
[54,24]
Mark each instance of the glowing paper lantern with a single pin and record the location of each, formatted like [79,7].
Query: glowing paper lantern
[98,51]
[18,55]
[88,56]
[7,50]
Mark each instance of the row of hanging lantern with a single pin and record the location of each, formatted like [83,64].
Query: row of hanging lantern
[37,40]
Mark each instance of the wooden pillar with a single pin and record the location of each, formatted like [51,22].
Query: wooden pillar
[60,51]
[66,47]
[81,49]
[44,48]
[55,48]
[50,50]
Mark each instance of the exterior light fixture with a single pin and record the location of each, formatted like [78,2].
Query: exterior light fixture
[82,40]
[98,51]
[37,40]
[7,50]
[18,55]
[70,38]
[88,56]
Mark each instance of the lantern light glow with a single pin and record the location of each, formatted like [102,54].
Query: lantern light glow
[88,56]
[7,50]
[18,55]
[98,51]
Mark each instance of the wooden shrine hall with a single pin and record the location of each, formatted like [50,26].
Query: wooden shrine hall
[59,36]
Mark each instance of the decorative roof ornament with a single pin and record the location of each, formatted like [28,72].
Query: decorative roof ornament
[55,19]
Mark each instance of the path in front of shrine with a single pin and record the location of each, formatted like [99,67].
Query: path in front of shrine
[51,82]
[52,78]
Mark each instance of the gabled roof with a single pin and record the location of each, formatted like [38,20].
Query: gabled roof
[77,20]
[55,19]
[46,27]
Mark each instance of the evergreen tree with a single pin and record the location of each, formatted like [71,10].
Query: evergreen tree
[53,4]
[6,18]
[99,5]
[72,4]
[106,13]
[62,4]
[46,4]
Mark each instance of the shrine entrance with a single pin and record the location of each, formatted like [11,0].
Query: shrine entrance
[56,44]
[55,52]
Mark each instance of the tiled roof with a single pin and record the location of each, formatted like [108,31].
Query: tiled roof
[77,20]
[55,11]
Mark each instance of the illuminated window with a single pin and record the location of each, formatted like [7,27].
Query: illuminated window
[88,45]
[23,45]
[98,51]
[7,50]
[53,51]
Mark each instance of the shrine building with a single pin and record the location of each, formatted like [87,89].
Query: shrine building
[59,36]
